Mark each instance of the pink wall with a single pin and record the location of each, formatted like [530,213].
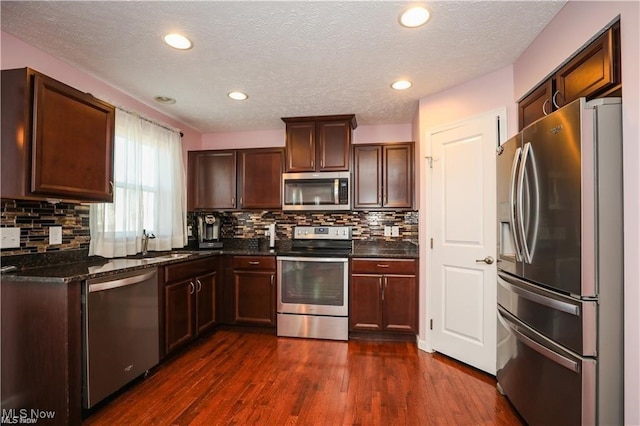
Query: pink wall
[474,97]
[478,96]
[574,25]
[239,140]
[17,54]
[269,138]
[382,133]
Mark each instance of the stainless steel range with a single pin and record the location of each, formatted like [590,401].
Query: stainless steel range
[313,279]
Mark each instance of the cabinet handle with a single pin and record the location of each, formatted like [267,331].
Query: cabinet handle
[544,105]
[110,187]
[240,201]
[381,265]
[253,262]
[233,201]
[321,164]
[199,285]
[271,280]
[384,287]
[193,288]
[553,100]
[312,163]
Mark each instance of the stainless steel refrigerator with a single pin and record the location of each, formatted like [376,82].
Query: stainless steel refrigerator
[560,267]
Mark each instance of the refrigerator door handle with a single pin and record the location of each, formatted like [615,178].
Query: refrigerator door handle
[527,155]
[542,350]
[512,203]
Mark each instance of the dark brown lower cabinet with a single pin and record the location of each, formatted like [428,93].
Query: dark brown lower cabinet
[41,350]
[384,296]
[254,290]
[189,302]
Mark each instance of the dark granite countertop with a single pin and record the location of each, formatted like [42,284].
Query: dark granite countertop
[387,249]
[76,265]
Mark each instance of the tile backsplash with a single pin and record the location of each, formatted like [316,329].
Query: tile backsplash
[35,217]
[367,225]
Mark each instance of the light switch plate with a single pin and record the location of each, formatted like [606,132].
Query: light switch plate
[9,237]
[387,231]
[395,231]
[55,235]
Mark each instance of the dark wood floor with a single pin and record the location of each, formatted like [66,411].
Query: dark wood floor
[240,377]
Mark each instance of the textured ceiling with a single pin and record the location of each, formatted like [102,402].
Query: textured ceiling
[292,58]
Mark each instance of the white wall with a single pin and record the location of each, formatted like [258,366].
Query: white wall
[574,26]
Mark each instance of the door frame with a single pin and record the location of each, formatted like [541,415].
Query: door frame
[425,342]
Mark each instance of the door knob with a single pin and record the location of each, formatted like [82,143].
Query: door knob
[488,260]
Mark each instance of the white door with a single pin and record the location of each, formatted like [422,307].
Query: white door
[463,227]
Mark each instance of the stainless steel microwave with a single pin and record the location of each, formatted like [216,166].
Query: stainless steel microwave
[316,191]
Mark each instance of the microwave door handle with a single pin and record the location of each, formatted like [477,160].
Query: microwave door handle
[512,202]
[336,190]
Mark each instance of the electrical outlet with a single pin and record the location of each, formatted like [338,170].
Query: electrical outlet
[387,231]
[9,238]
[55,235]
[395,231]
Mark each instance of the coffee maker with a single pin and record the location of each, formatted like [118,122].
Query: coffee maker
[208,231]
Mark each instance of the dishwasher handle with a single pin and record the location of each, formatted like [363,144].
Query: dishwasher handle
[122,282]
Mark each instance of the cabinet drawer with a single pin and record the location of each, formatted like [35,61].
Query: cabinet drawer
[384,266]
[181,271]
[254,262]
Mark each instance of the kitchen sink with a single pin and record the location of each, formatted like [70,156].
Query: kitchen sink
[159,256]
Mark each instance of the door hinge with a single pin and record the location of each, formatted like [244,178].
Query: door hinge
[431,324]
[431,242]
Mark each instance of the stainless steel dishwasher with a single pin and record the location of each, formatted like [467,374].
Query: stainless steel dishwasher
[120,331]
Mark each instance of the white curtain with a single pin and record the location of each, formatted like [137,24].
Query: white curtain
[149,191]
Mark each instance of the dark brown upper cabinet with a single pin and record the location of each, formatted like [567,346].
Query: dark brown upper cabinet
[260,178]
[383,176]
[535,105]
[211,180]
[319,144]
[57,142]
[593,72]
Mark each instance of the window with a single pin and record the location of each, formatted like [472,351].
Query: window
[148,191]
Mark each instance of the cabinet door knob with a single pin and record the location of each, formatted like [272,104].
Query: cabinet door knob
[553,100]
[544,107]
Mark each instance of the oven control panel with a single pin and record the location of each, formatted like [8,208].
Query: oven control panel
[322,233]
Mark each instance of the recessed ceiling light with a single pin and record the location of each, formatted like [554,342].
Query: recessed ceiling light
[237,96]
[401,84]
[165,100]
[414,17]
[178,41]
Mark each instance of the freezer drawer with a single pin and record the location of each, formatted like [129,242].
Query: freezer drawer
[546,384]
[570,322]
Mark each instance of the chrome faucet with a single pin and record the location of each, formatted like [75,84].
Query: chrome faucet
[145,241]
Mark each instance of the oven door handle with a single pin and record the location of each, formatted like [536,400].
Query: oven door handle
[312,259]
